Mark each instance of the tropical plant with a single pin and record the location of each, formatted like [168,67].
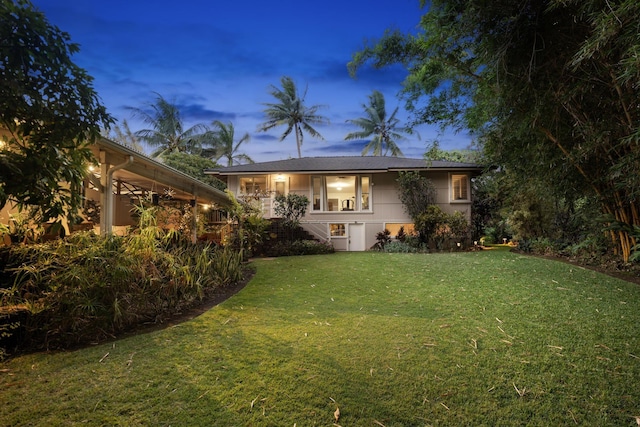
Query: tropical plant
[250,226]
[549,88]
[85,288]
[222,139]
[382,239]
[51,114]
[291,111]
[384,131]
[194,166]
[167,133]
[291,207]
[416,192]
[123,136]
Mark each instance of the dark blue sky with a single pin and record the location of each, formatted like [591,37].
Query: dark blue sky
[216,60]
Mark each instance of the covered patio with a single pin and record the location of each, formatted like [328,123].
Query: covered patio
[123,176]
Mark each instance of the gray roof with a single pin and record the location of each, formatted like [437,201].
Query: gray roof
[369,164]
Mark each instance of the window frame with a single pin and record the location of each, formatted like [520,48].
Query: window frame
[322,197]
[453,177]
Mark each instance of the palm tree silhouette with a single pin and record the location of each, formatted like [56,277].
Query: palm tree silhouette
[292,113]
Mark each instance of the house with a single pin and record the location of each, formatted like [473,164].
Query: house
[121,177]
[352,198]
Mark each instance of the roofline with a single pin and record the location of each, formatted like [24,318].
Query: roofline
[185,182]
[344,171]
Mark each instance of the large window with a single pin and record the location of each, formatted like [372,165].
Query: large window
[460,188]
[253,184]
[341,193]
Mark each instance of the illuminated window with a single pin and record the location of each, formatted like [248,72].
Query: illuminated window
[394,228]
[337,230]
[341,193]
[253,184]
[459,187]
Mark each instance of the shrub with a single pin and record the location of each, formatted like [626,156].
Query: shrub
[87,288]
[401,236]
[291,208]
[415,192]
[300,247]
[399,247]
[382,239]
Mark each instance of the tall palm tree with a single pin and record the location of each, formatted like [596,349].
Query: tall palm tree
[167,129]
[291,112]
[384,131]
[224,146]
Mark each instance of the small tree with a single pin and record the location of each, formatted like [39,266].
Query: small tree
[250,225]
[51,112]
[291,207]
[416,192]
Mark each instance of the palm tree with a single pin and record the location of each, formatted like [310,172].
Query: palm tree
[123,136]
[222,139]
[166,131]
[291,112]
[385,131]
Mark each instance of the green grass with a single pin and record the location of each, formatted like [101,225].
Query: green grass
[487,338]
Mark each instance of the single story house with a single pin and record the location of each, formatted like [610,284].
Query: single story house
[352,198]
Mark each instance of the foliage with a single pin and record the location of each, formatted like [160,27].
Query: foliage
[226,264]
[415,192]
[223,144]
[290,111]
[166,132]
[51,114]
[437,226]
[401,235]
[300,247]
[382,239]
[458,156]
[123,136]
[250,228]
[549,88]
[398,246]
[291,207]
[86,288]
[194,166]
[383,131]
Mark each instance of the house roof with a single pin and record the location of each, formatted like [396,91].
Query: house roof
[150,174]
[361,164]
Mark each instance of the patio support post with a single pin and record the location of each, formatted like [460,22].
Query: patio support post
[194,219]
[106,179]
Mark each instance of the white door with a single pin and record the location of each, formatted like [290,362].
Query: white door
[356,238]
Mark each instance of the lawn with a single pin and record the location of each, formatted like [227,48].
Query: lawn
[485,338]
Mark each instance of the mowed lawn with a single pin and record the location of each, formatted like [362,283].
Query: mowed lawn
[485,338]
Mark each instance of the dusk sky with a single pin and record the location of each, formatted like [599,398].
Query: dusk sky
[217,59]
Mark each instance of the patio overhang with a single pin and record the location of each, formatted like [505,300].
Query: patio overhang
[124,170]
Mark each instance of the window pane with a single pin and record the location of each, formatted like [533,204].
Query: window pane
[316,185]
[337,230]
[341,193]
[365,193]
[253,184]
[459,187]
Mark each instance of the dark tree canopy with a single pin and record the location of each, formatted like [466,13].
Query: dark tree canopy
[549,88]
[194,166]
[49,112]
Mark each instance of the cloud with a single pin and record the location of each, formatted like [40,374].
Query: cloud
[195,112]
[264,137]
